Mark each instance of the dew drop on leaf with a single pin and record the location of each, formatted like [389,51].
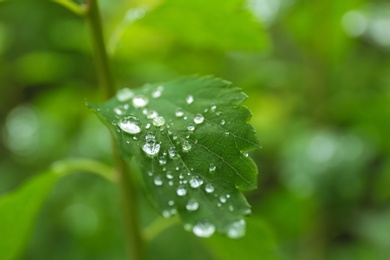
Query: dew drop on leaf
[209,188]
[237,229]
[172,152]
[222,199]
[192,205]
[179,113]
[203,229]
[159,121]
[151,147]
[186,146]
[162,160]
[189,99]
[158,181]
[222,122]
[124,94]
[198,119]
[212,167]
[213,107]
[195,182]
[157,93]
[140,101]
[181,191]
[130,124]
[190,127]
[151,114]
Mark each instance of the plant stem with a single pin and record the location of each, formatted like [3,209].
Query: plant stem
[125,182]
[99,49]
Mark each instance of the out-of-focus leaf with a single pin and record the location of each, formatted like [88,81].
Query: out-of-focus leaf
[18,211]
[224,24]
[190,138]
[259,243]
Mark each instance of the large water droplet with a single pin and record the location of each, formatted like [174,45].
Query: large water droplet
[195,182]
[140,101]
[189,99]
[190,127]
[130,124]
[203,229]
[151,147]
[157,93]
[159,121]
[124,94]
[209,188]
[186,146]
[192,205]
[158,181]
[181,191]
[198,119]
[222,199]
[237,229]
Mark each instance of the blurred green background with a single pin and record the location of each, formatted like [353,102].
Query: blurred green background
[318,78]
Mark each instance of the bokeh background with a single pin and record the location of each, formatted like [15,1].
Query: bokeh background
[317,74]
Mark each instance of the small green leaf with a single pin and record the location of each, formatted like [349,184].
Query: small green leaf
[190,138]
[18,211]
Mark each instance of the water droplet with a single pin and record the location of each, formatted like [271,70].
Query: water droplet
[237,229]
[169,175]
[195,182]
[151,147]
[179,113]
[231,208]
[192,205]
[140,101]
[190,127]
[212,167]
[151,114]
[246,154]
[124,94]
[157,93]
[222,199]
[158,181]
[172,152]
[209,188]
[189,99]
[162,160]
[203,229]
[213,107]
[198,119]
[170,183]
[130,124]
[218,113]
[227,132]
[171,203]
[118,111]
[223,122]
[159,121]
[166,213]
[147,126]
[174,137]
[181,191]
[186,146]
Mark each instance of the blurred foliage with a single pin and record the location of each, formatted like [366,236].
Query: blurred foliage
[318,78]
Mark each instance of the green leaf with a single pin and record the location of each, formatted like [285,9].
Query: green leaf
[18,211]
[223,24]
[190,138]
[259,243]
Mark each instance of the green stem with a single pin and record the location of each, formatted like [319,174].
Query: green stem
[125,182]
[99,49]
[84,165]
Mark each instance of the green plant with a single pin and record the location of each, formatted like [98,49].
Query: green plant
[190,138]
